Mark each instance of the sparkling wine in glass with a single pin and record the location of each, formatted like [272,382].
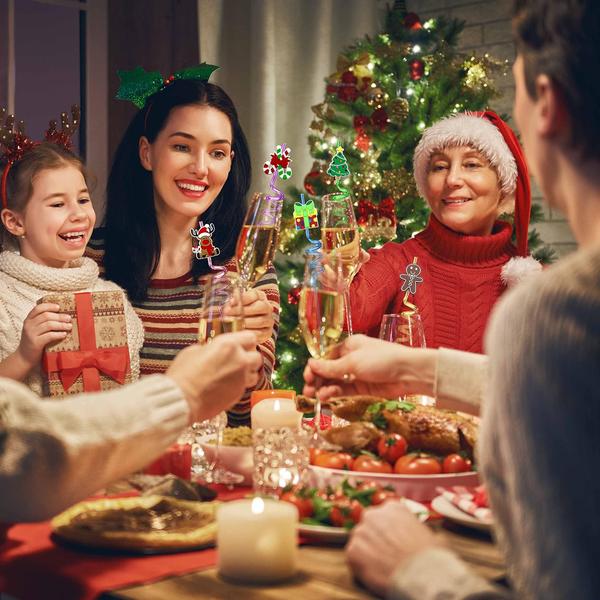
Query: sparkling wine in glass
[340,238]
[321,309]
[220,312]
[258,238]
[406,328]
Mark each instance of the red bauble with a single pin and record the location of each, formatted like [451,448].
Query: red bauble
[349,77]
[294,295]
[412,21]
[347,93]
[331,89]
[360,122]
[309,182]
[380,119]
[417,69]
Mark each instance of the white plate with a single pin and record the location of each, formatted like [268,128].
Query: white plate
[421,488]
[453,513]
[339,535]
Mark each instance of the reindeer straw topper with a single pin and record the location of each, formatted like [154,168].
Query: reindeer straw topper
[16,143]
[205,247]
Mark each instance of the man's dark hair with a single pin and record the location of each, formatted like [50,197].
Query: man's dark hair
[561,39]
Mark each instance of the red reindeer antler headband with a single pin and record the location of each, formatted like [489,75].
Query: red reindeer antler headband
[16,143]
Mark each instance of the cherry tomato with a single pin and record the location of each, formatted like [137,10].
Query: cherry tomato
[334,460]
[304,505]
[337,517]
[455,463]
[314,452]
[391,447]
[356,509]
[370,464]
[417,464]
[380,496]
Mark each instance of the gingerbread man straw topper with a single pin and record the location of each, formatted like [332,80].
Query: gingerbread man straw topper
[411,278]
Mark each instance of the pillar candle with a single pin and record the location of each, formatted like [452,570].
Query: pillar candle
[275,413]
[257,540]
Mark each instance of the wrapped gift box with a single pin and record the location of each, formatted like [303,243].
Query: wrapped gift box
[95,355]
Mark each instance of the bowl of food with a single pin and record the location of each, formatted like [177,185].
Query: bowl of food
[412,448]
[235,451]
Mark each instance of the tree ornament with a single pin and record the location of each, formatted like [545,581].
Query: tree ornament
[349,78]
[317,125]
[416,69]
[312,178]
[399,183]
[376,97]
[380,119]
[293,296]
[362,141]
[398,110]
[412,21]
[320,110]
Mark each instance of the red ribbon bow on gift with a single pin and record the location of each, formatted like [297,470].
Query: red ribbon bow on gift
[89,360]
[113,362]
[385,208]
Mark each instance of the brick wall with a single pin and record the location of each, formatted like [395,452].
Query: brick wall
[488,29]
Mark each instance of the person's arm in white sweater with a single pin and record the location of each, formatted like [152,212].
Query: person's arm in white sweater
[54,453]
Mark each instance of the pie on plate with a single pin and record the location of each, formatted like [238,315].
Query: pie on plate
[148,523]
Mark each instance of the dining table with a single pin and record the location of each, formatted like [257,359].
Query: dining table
[34,565]
[323,573]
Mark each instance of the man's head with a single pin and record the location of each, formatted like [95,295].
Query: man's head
[562,41]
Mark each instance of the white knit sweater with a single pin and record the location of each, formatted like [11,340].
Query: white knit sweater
[23,282]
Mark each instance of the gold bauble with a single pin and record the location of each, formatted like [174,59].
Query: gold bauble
[376,97]
[398,110]
[399,182]
[296,336]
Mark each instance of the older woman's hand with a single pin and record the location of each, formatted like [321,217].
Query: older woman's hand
[386,536]
[365,365]
[258,314]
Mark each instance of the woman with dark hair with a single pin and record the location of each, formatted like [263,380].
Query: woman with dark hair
[184,157]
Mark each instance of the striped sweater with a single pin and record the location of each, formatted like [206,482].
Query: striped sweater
[170,317]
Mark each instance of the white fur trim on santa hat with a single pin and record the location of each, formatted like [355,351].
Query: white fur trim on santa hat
[519,268]
[464,129]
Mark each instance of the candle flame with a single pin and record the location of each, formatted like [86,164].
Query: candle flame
[276,404]
[258,506]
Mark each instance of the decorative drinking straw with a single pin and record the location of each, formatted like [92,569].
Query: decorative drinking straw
[277,166]
[315,249]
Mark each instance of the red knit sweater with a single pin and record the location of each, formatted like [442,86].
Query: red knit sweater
[461,284]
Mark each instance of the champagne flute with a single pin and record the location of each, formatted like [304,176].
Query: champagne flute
[220,312]
[321,309]
[340,237]
[257,241]
[406,328]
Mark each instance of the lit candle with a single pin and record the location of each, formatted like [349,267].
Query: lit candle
[257,540]
[275,413]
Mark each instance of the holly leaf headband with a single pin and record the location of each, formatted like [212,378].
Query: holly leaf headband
[138,84]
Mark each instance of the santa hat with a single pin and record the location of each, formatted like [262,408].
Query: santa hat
[491,136]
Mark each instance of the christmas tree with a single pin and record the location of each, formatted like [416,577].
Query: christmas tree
[387,89]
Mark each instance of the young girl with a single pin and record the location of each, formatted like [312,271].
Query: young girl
[184,158]
[470,169]
[47,219]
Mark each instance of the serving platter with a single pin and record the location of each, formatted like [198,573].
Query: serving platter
[421,488]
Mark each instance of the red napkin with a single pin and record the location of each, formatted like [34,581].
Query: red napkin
[34,567]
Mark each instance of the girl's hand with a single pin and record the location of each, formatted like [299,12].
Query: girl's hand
[258,314]
[42,326]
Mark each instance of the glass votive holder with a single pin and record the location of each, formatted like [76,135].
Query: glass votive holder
[280,459]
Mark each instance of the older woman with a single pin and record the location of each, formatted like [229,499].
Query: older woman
[470,169]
